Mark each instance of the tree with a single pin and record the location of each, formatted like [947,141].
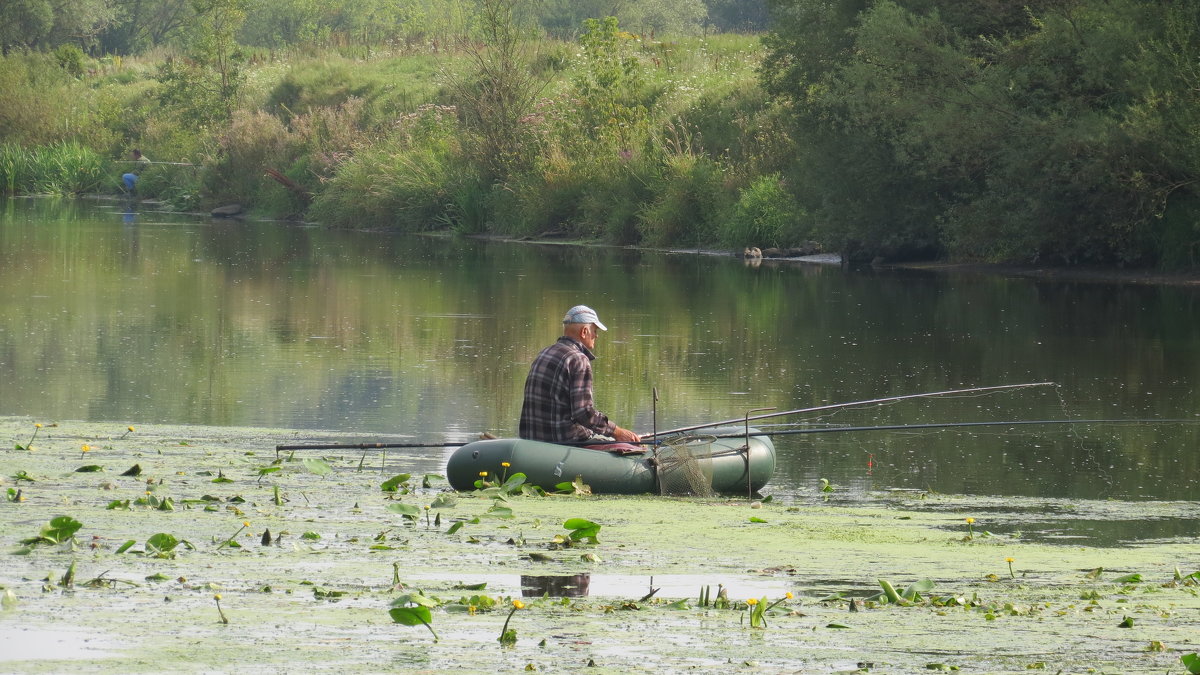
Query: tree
[141,24]
[1050,133]
[23,23]
[206,83]
[498,91]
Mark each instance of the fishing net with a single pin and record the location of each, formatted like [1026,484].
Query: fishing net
[685,466]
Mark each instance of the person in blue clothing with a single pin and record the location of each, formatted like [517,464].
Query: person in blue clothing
[130,179]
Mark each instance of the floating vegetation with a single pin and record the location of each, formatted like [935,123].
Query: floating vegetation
[875,584]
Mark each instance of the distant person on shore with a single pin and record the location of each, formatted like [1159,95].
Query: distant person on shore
[558,406]
[140,162]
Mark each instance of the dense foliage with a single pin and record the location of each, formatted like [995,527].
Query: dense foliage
[1055,131]
[1062,131]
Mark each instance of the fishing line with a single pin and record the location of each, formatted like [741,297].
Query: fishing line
[1101,472]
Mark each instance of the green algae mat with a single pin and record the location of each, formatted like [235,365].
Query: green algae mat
[198,549]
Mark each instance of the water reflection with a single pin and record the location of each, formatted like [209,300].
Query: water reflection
[555,586]
[173,319]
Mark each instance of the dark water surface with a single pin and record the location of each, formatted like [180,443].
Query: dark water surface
[148,317]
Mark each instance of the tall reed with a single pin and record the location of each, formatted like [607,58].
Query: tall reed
[58,169]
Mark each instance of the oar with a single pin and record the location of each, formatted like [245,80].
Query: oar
[833,406]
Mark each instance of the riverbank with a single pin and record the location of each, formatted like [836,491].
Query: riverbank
[1072,274]
[342,549]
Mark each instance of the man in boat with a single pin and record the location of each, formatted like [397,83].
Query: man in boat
[558,406]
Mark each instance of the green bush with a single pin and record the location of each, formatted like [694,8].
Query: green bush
[58,169]
[766,214]
[690,200]
[415,181]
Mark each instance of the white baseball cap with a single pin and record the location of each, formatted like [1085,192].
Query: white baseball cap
[583,314]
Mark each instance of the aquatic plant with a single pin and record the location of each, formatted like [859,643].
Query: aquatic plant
[60,529]
[413,609]
[161,545]
[508,636]
[271,468]
[397,483]
[318,466]
[128,430]
[575,487]
[37,426]
[970,528]
[1010,568]
[230,541]
[722,600]
[759,608]
[826,488]
[220,612]
[1191,662]
[582,529]
[409,512]
[85,449]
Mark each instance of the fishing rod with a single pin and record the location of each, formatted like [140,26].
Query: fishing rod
[386,446]
[950,425]
[833,406]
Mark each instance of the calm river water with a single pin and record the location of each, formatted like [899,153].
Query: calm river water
[146,317]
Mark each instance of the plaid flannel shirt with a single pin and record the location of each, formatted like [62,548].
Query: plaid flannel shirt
[558,404]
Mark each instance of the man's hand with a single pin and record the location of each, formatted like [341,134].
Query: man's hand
[626,436]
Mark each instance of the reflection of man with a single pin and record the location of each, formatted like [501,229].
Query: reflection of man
[558,405]
[555,586]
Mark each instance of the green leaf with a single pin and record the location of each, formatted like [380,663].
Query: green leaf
[161,545]
[756,519]
[455,527]
[125,547]
[414,599]
[913,591]
[1191,662]
[444,501]
[1126,622]
[513,483]
[892,596]
[394,482]
[318,466]
[582,528]
[836,625]
[89,468]
[411,616]
[407,510]
[1128,579]
[498,511]
[61,529]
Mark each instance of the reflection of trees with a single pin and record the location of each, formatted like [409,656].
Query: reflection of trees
[281,325]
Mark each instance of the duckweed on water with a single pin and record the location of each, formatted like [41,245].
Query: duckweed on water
[322,592]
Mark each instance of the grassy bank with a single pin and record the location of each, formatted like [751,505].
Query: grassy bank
[154,549]
[626,141]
